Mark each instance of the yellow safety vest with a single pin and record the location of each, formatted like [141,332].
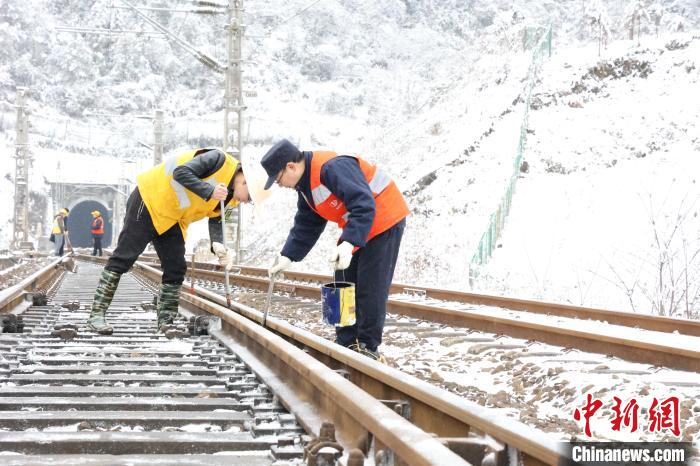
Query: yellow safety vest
[57,229]
[169,202]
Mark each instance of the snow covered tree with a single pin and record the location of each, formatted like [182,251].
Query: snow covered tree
[674,22]
[634,13]
[656,13]
[597,21]
[507,28]
[673,289]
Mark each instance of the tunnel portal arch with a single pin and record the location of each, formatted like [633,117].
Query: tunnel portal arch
[80,221]
[82,199]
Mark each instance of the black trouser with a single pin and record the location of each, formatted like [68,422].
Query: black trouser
[371,269]
[137,232]
[97,245]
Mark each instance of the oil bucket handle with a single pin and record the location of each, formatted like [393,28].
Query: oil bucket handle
[334,271]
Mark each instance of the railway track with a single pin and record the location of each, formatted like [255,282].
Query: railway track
[633,337]
[533,381]
[451,297]
[239,395]
[70,402]
[13,270]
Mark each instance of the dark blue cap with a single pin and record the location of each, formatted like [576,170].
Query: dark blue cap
[276,159]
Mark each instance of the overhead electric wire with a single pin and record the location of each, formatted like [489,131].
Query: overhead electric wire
[201,57]
[299,12]
[108,31]
[268,33]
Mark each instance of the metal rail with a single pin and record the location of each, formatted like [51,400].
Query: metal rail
[603,340]
[627,319]
[464,426]
[11,297]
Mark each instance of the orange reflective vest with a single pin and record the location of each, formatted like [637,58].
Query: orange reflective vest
[98,226]
[390,205]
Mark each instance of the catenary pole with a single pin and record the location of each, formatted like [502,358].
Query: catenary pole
[22,161]
[158,137]
[233,97]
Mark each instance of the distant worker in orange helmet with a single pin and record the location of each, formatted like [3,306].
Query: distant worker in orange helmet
[366,203]
[97,228]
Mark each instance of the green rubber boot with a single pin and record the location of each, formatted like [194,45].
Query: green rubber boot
[168,305]
[103,298]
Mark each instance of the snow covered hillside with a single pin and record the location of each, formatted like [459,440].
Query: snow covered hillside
[608,213]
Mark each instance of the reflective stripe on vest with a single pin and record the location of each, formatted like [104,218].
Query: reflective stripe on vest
[380,181]
[320,194]
[170,164]
[390,205]
[169,202]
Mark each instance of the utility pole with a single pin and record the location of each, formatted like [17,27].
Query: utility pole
[158,137]
[233,97]
[22,161]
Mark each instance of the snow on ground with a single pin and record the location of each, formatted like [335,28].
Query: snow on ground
[607,157]
[539,384]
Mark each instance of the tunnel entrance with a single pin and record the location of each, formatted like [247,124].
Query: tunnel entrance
[83,198]
[80,224]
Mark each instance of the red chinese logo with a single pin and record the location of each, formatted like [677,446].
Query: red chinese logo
[662,415]
[666,417]
[626,416]
[588,411]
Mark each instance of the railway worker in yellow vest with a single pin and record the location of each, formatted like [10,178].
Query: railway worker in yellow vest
[60,231]
[181,190]
[364,201]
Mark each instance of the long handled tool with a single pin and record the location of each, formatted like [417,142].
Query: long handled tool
[68,243]
[223,240]
[192,275]
[269,297]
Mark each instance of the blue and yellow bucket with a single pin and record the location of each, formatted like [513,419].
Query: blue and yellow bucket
[338,302]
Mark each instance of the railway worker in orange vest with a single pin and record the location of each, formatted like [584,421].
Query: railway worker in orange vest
[168,197]
[97,228]
[364,201]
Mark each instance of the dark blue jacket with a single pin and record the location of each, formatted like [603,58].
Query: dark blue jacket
[343,177]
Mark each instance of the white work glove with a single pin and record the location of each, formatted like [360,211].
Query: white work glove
[281,264]
[342,255]
[225,255]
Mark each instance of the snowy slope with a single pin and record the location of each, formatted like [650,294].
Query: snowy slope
[610,206]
